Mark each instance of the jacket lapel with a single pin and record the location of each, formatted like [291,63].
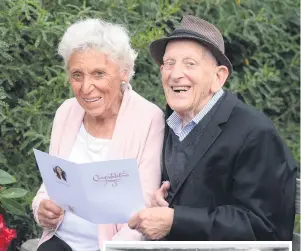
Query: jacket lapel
[117,147]
[209,135]
[168,112]
[71,129]
[211,132]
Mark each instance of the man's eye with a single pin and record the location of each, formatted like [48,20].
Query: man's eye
[190,63]
[168,63]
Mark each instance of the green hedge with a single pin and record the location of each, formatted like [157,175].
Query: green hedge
[262,41]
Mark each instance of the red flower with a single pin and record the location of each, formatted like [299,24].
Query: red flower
[6,235]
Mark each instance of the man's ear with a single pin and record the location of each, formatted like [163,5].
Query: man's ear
[161,68]
[221,76]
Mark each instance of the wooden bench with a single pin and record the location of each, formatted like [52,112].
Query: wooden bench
[31,245]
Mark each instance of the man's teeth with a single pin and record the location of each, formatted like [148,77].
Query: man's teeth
[180,88]
[92,99]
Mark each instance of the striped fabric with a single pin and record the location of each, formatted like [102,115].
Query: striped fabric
[206,29]
[175,122]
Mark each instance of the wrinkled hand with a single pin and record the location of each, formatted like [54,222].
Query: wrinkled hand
[154,223]
[49,214]
[158,199]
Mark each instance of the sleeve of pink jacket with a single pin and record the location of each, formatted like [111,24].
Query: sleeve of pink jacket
[42,193]
[150,171]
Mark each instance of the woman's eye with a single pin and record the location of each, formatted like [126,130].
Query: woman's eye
[76,75]
[98,73]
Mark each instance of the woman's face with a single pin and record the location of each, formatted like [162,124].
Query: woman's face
[59,170]
[95,81]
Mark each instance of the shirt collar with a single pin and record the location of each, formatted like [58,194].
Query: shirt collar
[208,106]
[175,122]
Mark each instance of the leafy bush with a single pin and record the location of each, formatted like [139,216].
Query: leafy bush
[262,41]
[8,196]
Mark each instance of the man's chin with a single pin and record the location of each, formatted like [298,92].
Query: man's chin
[178,108]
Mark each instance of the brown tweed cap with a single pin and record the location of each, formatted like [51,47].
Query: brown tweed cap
[194,28]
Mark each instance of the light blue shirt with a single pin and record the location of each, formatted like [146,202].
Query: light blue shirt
[175,122]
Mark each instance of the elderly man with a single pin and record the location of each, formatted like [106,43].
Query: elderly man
[229,177]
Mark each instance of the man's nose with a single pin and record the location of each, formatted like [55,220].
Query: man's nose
[177,72]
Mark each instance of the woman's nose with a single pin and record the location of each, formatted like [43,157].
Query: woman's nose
[87,85]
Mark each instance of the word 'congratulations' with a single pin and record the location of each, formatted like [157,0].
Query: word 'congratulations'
[113,178]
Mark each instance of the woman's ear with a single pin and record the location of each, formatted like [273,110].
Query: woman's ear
[124,76]
[220,77]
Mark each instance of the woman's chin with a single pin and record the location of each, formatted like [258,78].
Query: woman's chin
[98,112]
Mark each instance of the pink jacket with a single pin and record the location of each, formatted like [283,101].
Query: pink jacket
[138,134]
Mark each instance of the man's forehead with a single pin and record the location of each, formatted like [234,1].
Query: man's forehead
[192,47]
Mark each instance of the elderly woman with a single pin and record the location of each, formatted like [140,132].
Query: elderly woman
[106,120]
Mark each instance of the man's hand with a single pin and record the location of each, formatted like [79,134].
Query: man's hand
[154,223]
[49,214]
[158,199]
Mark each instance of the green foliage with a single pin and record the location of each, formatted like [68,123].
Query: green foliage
[8,196]
[262,41]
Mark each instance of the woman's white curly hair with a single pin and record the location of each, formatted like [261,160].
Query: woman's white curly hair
[111,39]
